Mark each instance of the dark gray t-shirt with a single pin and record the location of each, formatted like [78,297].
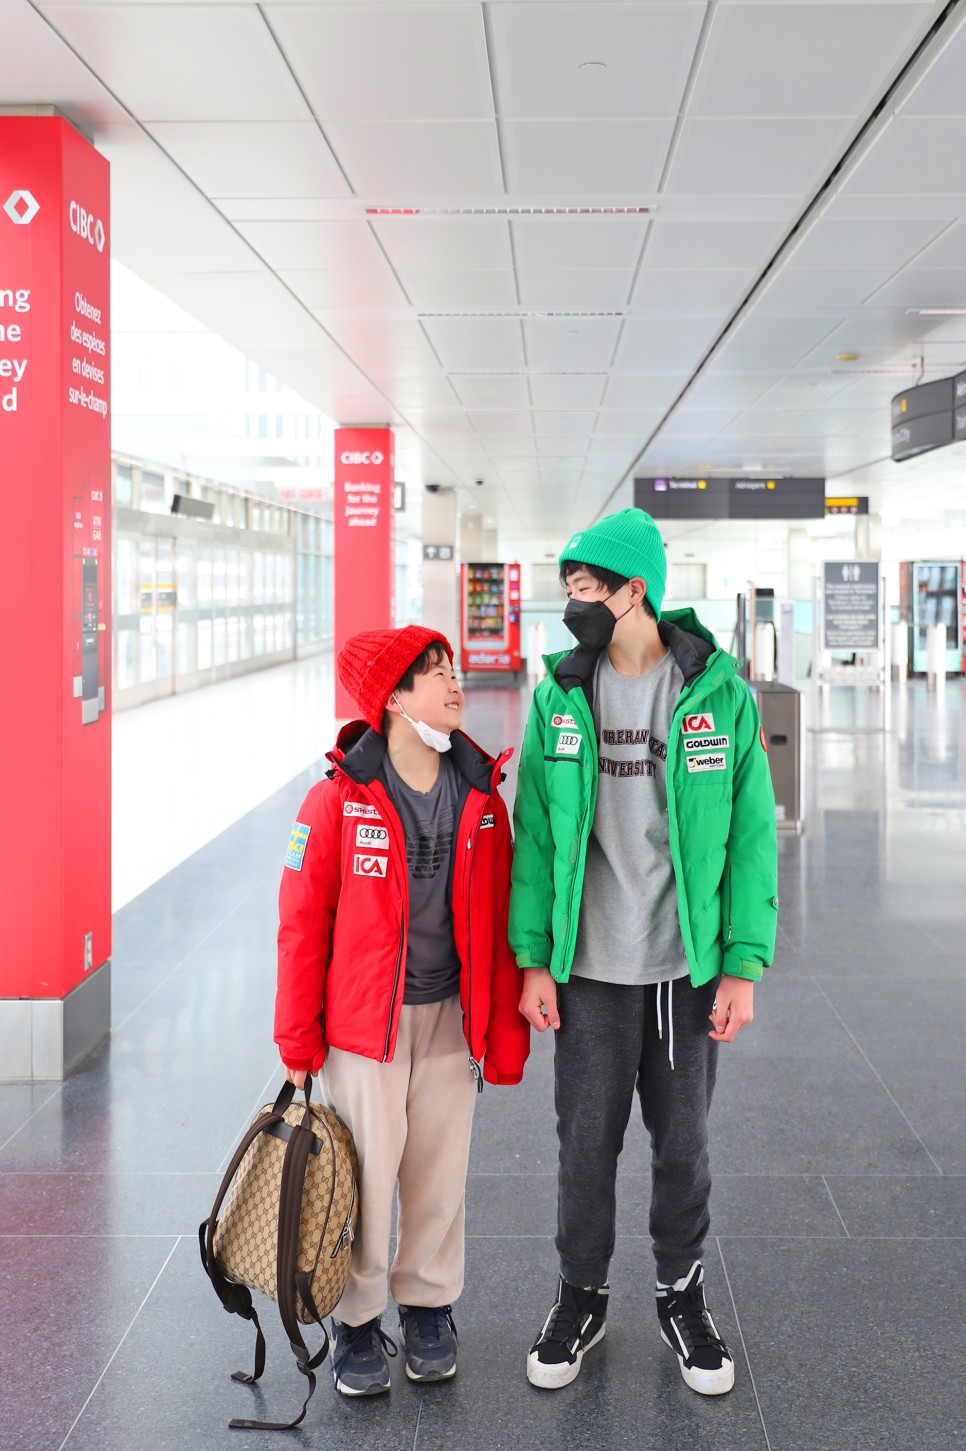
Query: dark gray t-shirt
[429,822]
[628,930]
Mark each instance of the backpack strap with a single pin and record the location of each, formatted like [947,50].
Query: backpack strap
[294,1167]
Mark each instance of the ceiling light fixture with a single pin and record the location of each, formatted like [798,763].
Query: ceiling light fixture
[592,65]
[508,211]
[847,357]
[518,312]
[936,312]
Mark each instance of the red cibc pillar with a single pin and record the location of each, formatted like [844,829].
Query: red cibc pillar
[363,539]
[55,598]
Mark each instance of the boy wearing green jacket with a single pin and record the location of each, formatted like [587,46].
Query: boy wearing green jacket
[644,903]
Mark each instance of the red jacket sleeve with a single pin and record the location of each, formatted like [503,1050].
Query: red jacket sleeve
[307,902]
[508,1032]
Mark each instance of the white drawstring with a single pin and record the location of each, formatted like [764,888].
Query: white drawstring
[670,1023]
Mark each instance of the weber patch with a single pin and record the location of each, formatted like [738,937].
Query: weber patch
[359,808]
[716,762]
[488,820]
[373,837]
[706,743]
[296,846]
[365,865]
[562,720]
[568,743]
[695,724]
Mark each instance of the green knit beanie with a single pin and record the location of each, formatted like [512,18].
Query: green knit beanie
[630,544]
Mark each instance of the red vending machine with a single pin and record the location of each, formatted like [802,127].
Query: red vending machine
[490,617]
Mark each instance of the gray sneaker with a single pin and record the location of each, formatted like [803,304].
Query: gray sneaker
[359,1364]
[430,1341]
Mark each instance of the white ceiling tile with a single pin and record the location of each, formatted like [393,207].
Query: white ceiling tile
[480,333]
[35,62]
[314,246]
[549,392]
[517,424]
[586,158]
[249,309]
[941,91]
[914,157]
[185,62]
[566,423]
[660,388]
[445,243]
[599,243]
[362,287]
[824,286]
[738,157]
[708,292]
[398,62]
[647,50]
[659,344]
[462,291]
[856,243]
[629,422]
[949,249]
[723,390]
[771,60]
[561,289]
[761,422]
[415,161]
[484,392]
[253,158]
[712,243]
[428,391]
[924,287]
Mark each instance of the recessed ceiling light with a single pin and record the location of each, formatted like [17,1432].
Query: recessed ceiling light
[936,312]
[847,357]
[593,65]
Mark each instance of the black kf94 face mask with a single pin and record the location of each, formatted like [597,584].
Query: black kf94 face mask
[591,622]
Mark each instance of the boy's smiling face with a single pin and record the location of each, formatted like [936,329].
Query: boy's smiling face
[436,698]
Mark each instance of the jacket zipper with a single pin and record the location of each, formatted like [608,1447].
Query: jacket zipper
[475,1068]
[395,985]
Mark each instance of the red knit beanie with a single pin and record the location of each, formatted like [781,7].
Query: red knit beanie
[372,664]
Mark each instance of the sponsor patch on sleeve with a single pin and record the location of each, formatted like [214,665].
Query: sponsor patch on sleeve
[713,762]
[372,837]
[693,725]
[568,743]
[488,820]
[361,808]
[706,743]
[296,846]
[562,720]
[365,865]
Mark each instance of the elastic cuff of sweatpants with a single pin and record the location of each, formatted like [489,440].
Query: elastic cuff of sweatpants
[587,1276]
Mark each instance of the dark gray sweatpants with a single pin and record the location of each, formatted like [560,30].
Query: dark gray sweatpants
[606,1046]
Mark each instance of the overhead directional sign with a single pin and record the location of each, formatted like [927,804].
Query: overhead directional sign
[732,498]
[928,417]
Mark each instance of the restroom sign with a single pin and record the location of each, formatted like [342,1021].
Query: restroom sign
[850,605]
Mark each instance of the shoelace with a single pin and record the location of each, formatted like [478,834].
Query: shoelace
[432,1321]
[693,1312]
[564,1323]
[357,1336]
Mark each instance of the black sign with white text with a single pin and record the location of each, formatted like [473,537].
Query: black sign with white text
[736,498]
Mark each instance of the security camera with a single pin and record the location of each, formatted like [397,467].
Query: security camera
[432,488]
[479,483]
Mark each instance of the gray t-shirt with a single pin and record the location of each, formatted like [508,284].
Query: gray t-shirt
[628,931]
[429,822]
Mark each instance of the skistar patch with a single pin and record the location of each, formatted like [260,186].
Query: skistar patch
[706,743]
[359,808]
[296,846]
[694,724]
[568,744]
[562,720]
[761,737]
[369,866]
[715,762]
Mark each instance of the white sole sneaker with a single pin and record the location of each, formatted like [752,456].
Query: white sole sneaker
[705,1382]
[553,1377]
[376,1389]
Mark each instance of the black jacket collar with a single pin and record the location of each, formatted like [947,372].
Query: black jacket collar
[360,752]
[690,652]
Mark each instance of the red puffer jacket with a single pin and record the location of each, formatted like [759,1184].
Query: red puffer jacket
[344,914]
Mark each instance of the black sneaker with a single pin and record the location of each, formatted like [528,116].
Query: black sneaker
[687,1327]
[359,1364]
[575,1323]
[430,1341]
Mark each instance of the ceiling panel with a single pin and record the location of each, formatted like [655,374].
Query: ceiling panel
[579,392]
[924,287]
[411,161]
[185,62]
[581,289]
[314,246]
[941,91]
[744,157]
[661,344]
[484,391]
[586,158]
[253,158]
[914,157]
[362,287]
[450,243]
[708,292]
[825,286]
[823,60]
[357,62]
[598,243]
[839,244]
[948,250]
[460,290]
[647,51]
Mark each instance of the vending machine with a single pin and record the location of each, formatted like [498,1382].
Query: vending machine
[938,597]
[490,616]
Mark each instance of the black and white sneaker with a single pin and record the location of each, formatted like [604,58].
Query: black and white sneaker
[575,1323]
[687,1327]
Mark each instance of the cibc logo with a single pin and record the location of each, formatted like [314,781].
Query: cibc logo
[89,228]
[21,208]
[362,458]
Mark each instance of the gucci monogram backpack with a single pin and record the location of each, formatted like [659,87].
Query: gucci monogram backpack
[287,1227]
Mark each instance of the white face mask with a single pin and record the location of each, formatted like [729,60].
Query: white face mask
[437,740]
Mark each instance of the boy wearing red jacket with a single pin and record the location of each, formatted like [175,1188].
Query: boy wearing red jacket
[384,987]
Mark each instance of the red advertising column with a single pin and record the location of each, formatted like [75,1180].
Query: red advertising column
[55,596]
[363,566]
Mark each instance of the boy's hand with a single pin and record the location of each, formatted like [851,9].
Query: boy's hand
[296,1076]
[539,993]
[732,1009]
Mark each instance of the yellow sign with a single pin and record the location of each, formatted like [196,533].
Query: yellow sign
[771,483]
[702,483]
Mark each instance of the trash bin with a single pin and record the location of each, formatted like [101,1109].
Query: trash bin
[782,713]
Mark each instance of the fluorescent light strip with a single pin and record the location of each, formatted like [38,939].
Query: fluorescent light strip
[936,312]
[508,211]
[524,312]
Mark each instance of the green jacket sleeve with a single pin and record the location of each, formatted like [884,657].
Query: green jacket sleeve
[752,862]
[531,892]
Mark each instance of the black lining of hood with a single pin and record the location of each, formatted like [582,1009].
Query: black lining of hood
[363,760]
[691,654]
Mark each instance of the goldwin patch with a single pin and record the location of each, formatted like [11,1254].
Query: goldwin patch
[369,866]
[715,762]
[359,808]
[706,743]
[296,846]
[373,836]
[568,744]
[488,820]
[562,720]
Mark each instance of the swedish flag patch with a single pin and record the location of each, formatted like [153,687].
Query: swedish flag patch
[296,846]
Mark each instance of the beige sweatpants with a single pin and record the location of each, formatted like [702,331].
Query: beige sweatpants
[411,1121]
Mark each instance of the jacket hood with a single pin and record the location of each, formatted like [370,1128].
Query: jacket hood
[360,751]
[691,644]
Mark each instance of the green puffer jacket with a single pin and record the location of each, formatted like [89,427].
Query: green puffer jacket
[721,813]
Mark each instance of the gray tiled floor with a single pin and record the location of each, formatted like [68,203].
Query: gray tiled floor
[839,1152]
